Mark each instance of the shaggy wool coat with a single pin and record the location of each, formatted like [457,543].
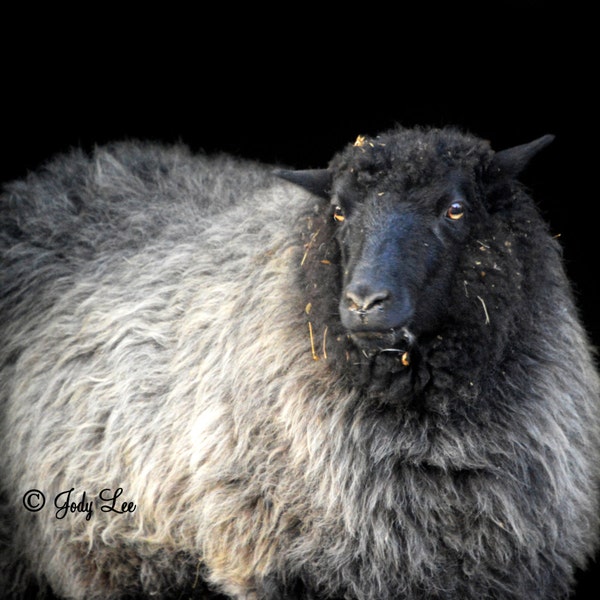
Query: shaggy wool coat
[171,348]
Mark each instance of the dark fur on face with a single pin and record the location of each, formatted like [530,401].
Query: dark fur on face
[431,240]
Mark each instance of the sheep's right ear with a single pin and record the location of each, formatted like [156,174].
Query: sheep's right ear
[513,160]
[316,181]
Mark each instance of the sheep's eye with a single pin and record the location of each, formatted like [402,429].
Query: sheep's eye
[455,211]
[338,214]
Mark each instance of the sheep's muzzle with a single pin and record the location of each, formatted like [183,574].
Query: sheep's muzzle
[370,343]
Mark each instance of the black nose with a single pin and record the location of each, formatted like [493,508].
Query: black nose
[367,305]
[362,298]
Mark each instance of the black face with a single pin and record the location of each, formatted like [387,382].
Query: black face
[398,249]
[409,214]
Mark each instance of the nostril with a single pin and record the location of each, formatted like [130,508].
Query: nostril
[362,298]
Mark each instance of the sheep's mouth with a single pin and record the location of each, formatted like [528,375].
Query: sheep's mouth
[390,340]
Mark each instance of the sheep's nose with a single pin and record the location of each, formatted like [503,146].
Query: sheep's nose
[363,298]
[369,306]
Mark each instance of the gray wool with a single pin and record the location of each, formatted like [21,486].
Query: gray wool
[156,337]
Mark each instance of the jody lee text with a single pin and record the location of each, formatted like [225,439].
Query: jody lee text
[72,502]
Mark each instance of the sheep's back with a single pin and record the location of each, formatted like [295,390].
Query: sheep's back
[131,325]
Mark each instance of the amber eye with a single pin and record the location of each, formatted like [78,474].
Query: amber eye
[455,211]
[338,214]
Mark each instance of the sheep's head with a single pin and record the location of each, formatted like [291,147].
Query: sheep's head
[402,208]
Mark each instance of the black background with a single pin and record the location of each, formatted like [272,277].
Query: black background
[290,85]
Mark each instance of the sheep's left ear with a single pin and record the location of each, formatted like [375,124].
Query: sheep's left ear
[513,160]
[316,181]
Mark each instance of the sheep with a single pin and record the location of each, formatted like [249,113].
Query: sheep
[367,381]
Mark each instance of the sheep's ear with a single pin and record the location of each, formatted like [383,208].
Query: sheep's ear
[513,160]
[316,181]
